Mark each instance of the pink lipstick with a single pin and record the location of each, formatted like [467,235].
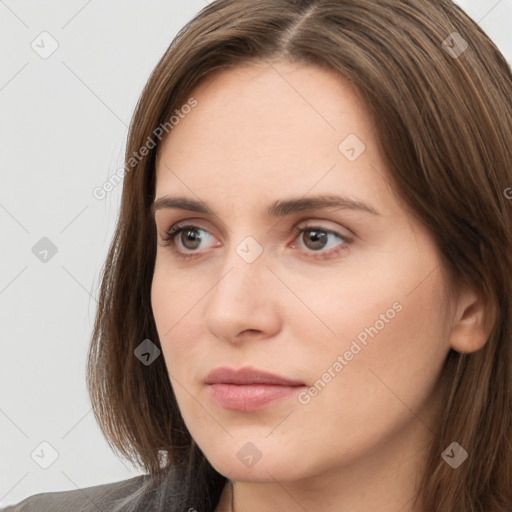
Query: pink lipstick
[249,389]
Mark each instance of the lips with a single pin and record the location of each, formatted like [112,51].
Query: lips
[247,376]
[248,389]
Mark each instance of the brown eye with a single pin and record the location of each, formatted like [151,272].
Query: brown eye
[314,239]
[185,239]
[190,238]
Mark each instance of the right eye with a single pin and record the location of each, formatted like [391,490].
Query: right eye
[188,236]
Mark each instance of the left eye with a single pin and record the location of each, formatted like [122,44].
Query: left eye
[191,238]
[317,238]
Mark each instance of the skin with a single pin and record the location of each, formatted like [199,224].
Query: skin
[263,133]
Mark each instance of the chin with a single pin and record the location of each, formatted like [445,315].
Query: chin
[245,462]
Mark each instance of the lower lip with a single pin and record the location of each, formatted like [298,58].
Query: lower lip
[250,397]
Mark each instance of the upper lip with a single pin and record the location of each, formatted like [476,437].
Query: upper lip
[247,375]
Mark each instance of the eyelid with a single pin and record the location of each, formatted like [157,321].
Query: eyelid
[323,225]
[189,223]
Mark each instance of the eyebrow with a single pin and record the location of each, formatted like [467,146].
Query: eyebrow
[277,209]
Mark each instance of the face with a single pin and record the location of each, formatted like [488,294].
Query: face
[346,299]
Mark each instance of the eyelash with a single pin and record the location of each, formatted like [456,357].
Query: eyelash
[175,230]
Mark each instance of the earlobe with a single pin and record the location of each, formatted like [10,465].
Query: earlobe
[472,323]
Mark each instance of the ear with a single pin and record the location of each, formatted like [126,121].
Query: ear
[473,321]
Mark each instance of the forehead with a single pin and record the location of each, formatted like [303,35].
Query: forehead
[269,127]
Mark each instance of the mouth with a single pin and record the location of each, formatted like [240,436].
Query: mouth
[249,389]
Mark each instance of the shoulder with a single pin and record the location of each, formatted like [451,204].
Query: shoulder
[104,497]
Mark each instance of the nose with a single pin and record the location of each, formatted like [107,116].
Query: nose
[244,301]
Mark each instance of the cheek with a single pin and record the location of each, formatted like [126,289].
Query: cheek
[392,345]
[172,297]
[386,324]
[177,310]
[168,311]
[390,301]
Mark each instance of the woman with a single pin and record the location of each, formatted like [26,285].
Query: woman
[306,303]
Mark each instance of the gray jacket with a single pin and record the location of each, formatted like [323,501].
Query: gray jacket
[99,498]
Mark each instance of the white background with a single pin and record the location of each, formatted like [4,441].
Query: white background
[63,127]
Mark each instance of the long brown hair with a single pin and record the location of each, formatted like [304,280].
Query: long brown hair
[440,93]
